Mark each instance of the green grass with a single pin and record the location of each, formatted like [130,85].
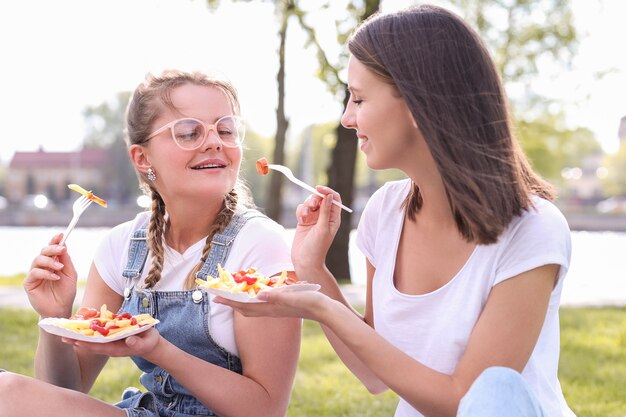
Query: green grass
[17,279]
[592,369]
[12,281]
[593,361]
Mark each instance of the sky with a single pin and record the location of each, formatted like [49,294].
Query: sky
[59,57]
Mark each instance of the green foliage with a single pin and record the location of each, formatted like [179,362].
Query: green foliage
[592,367]
[255,147]
[551,146]
[521,32]
[522,35]
[12,281]
[106,121]
[313,154]
[615,182]
[106,130]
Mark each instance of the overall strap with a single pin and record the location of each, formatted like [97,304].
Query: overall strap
[137,254]
[221,242]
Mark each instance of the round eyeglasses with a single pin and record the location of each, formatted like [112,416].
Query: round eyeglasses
[190,134]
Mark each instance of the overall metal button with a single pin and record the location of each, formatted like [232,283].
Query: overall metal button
[197,296]
[145,302]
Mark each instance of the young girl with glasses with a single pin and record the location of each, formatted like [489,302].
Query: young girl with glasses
[184,135]
[466,258]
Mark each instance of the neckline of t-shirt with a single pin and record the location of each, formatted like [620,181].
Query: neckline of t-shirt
[398,232]
[458,276]
[189,252]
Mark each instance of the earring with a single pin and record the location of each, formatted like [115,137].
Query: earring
[151,175]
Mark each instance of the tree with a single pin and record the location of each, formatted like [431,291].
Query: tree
[343,162]
[526,38]
[105,122]
[551,146]
[284,10]
[520,33]
[105,130]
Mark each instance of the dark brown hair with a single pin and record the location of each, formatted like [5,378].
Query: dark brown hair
[444,72]
[149,99]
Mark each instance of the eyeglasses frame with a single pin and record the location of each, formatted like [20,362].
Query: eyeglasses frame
[207,126]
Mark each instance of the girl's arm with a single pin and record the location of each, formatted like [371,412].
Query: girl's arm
[268,349]
[505,335]
[318,222]
[58,362]
[356,366]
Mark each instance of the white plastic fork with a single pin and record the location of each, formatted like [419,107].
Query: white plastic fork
[79,207]
[292,178]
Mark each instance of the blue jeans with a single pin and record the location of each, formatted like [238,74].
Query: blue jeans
[500,392]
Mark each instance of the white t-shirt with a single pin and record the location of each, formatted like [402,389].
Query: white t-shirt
[261,243]
[434,328]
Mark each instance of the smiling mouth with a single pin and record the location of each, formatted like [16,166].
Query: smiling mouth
[209,166]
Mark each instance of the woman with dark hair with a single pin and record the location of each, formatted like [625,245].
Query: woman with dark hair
[185,141]
[466,257]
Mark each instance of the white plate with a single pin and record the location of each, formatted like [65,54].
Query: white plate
[243,297]
[53,325]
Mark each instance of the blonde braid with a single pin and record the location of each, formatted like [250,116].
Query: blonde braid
[223,218]
[156,228]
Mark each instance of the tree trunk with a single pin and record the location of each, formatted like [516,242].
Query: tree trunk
[274,200]
[341,179]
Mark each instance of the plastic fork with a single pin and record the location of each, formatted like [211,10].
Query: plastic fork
[79,207]
[292,178]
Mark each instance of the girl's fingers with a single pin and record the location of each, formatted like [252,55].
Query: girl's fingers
[47,262]
[306,213]
[56,239]
[325,209]
[327,190]
[313,202]
[40,275]
[52,250]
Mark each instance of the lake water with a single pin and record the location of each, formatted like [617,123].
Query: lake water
[596,277]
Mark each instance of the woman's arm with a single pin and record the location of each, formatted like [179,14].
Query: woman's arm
[318,222]
[268,349]
[505,335]
[356,366]
[58,362]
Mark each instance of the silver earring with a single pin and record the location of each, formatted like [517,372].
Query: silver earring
[151,175]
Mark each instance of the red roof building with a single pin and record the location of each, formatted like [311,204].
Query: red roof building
[49,173]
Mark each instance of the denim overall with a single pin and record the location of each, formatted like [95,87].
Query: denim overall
[184,322]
